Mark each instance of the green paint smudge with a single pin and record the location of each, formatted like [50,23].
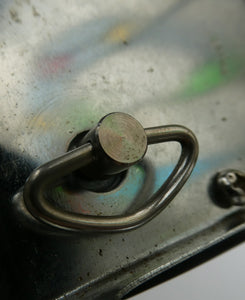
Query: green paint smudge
[211,76]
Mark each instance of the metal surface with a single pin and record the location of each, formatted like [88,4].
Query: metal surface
[66,64]
[123,132]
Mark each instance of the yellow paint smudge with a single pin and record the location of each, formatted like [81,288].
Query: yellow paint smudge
[120,34]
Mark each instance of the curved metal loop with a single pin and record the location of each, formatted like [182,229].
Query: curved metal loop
[52,171]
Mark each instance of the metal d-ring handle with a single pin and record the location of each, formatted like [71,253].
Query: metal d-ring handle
[86,156]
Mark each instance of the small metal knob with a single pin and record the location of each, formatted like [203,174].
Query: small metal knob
[115,144]
[119,141]
[228,188]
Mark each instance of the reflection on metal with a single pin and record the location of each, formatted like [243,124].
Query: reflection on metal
[116,143]
[66,64]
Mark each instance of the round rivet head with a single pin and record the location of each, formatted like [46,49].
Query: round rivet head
[122,138]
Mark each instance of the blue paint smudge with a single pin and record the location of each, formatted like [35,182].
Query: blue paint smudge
[209,164]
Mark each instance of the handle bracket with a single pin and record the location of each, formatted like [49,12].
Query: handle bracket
[105,148]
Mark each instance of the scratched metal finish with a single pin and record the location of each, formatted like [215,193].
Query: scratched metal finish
[66,64]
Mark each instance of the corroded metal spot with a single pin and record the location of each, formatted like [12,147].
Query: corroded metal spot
[122,138]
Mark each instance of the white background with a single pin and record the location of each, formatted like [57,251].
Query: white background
[221,278]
